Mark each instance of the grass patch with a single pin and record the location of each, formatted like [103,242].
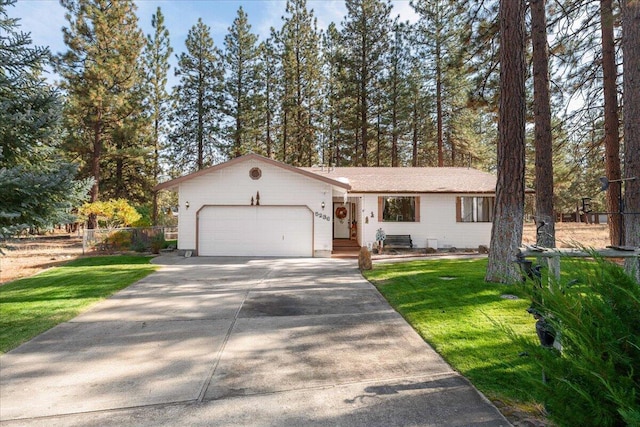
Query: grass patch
[33,305]
[451,306]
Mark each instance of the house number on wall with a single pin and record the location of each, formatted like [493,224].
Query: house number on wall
[323,216]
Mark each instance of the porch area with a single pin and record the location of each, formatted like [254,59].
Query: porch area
[345,248]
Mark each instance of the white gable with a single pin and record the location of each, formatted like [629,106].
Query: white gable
[233,185]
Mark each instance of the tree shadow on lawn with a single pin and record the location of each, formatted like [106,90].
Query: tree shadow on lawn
[34,304]
[459,314]
[82,283]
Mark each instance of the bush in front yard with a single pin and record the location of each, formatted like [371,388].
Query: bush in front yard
[157,243]
[118,240]
[595,379]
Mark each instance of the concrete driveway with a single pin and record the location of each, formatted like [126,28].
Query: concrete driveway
[230,341]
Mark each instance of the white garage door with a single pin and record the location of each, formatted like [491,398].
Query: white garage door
[255,231]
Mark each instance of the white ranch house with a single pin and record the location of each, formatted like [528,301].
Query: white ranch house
[256,206]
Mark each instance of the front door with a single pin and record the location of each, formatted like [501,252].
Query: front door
[341,220]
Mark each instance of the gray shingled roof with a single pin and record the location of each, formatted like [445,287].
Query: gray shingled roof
[411,180]
[377,180]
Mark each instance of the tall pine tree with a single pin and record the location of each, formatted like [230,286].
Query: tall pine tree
[506,233]
[611,121]
[543,135]
[339,103]
[156,54]
[196,140]
[266,100]
[101,75]
[420,118]
[302,76]
[631,51]
[393,111]
[366,37]
[587,52]
[241,86]
[442,35]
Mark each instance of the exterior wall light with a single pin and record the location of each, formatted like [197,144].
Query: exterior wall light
[322,204]
[186,204]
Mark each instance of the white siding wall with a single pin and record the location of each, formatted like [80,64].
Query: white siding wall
[437,221]
[233,186]
[439,215]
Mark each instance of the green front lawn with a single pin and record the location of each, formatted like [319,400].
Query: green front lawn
[463,317]
[32,305]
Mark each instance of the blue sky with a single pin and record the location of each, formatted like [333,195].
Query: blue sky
[44,19]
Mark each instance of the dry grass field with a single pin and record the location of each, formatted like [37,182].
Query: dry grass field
[28,256]
[572,234]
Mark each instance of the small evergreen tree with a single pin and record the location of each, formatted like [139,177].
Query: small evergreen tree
[37,188]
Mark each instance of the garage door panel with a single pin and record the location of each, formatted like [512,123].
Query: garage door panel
[255,231]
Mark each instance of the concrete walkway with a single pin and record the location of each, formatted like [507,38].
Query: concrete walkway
[237,342]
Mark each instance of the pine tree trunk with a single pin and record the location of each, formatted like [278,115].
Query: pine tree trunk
[200,129]
[238,137]
[611,132]
[119,189]
[285,132]
[239,112]
[299,120]
[439,119]
[268,142]
[414,153]
[364,126]
[96,155]
[394,119]
[453,147]
[631,94]
[394,134]
[156,170]
[506,234]
[542,117]
[378,138]
[364,101]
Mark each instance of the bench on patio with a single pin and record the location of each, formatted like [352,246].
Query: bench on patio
[398,241]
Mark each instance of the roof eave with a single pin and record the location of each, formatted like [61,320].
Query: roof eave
[423,191]
[174,183]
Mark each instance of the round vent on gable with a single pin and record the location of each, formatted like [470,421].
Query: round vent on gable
[255,173]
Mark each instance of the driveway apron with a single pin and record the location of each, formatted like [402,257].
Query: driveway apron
[234,341]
